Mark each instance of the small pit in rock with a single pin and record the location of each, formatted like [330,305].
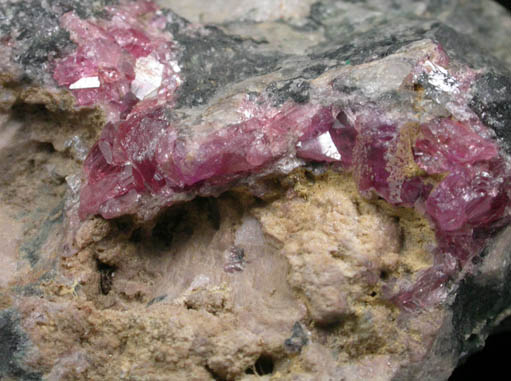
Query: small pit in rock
[167,224]
[106,277]
[264,365]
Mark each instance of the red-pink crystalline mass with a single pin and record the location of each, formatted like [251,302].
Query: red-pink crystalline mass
[128,67]
[465,206]
[329,140]
[145,153]
[474,191]
[115,56]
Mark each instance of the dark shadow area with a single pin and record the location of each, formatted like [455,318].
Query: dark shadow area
[106,277]
[263,366]
[494,357]
[505,3]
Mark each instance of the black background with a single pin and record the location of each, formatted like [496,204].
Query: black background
[505,3]
[492,363]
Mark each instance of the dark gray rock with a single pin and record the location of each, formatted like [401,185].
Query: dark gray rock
[12,349]
[492,102]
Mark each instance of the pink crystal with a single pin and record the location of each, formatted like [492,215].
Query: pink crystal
[431,285]
[474,191]
[447,144]
[133,41]
[145,154]
[115,55]
[466,205]
[344,136]
[332,140]
[412,190]
[371,157]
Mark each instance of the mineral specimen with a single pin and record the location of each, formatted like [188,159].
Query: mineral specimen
[367,159]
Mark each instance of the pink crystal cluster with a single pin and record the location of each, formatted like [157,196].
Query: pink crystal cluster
[146,154]
[127,66]
[474,191]
[468,204]
[119,61]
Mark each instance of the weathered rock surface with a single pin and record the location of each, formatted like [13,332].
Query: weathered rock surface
[303,191]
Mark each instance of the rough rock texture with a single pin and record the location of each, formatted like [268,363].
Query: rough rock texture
[302,191]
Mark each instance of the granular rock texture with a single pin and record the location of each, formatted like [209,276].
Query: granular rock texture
[296,190]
